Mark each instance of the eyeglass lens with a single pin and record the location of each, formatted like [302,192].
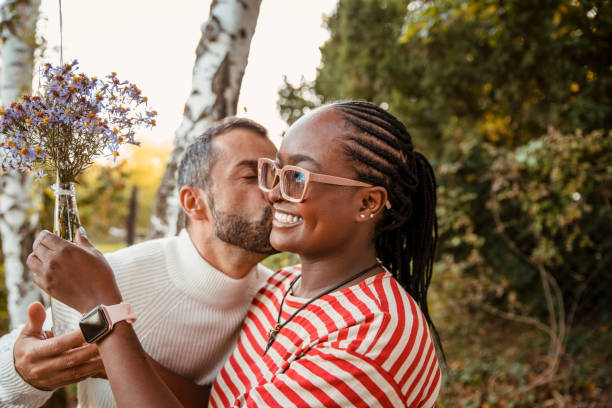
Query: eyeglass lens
[293,183]
[267,176]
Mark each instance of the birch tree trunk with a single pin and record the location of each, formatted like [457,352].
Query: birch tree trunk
[18,213]
[221,58]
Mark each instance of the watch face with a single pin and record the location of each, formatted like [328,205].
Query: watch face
[94,325]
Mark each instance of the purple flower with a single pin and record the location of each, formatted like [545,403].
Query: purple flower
[74,119]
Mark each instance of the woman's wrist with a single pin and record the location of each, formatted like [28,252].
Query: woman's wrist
[107,299]
[128,369]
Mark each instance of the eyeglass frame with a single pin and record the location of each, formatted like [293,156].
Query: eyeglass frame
[310,176]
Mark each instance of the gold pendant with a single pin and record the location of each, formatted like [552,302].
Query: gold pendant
[273,331]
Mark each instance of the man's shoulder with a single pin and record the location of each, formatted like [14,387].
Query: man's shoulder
[143,246]
[136,255]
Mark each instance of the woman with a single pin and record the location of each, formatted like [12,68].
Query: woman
[350,326]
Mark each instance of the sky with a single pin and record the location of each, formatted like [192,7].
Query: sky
[152,44]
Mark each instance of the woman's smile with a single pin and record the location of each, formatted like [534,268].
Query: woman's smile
[285,220]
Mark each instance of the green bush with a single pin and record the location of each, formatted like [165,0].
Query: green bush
[281,260]
[505,214]
[524,211]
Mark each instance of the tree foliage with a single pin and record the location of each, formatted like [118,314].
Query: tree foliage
[103,192]
[501,71]
[512,102]
[546,204]
[477,81]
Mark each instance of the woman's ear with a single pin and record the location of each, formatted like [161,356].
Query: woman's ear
[193,201]
[373,200]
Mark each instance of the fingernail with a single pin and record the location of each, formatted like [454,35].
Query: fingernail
[82,231]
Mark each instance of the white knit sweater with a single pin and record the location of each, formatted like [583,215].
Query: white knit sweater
[189,316]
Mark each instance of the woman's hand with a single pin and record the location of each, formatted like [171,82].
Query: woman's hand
[77,275]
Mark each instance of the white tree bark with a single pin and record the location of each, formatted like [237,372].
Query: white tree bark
[18,212]
[221,58]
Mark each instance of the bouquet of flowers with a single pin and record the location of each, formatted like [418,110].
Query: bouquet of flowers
[73,120]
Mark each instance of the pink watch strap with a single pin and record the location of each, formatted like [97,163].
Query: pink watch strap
[119,312]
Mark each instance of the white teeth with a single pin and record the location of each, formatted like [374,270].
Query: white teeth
[286,218]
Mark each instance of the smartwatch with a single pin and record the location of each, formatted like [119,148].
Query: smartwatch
[99,321]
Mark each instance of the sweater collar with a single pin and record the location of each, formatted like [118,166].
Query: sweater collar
[204,283]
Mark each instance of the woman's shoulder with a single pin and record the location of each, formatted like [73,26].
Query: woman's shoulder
[398,339]
[384,291]
[398,315]
[283,276]
[380,307]
[278,282]
[292,271]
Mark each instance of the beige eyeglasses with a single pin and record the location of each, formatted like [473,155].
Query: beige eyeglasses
[294,181]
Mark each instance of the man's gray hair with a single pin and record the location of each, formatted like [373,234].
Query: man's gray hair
[200,156]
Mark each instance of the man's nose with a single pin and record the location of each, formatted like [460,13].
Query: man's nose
[274,195]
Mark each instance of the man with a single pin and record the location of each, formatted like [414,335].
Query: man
[190,293]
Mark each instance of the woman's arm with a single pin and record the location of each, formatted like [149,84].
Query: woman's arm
[79,276]
[187,392]
[132,378]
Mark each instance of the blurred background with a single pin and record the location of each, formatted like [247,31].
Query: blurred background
[511,102]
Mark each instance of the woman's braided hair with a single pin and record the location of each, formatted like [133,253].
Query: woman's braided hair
[405,237]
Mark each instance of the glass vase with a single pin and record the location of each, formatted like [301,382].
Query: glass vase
[66,216]
[65,225]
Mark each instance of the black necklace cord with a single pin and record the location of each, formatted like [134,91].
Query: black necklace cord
[274,331]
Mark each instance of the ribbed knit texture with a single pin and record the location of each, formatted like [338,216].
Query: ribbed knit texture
[189,317]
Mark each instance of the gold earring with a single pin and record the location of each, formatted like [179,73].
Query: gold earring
[362,215]
[371,215]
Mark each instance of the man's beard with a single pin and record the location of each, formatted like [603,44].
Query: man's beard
[251,236]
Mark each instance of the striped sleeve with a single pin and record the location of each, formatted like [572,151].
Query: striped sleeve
[329,377]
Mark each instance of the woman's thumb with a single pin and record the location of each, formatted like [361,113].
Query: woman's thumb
[81,239]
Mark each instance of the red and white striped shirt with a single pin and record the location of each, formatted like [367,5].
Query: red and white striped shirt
[366,345]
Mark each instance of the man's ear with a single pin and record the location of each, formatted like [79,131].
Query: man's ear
[372,203]
[193,201]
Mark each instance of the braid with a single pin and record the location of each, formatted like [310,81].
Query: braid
[406,236]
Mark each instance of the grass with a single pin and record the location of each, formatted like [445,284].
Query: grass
[492,362]
[106,247]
